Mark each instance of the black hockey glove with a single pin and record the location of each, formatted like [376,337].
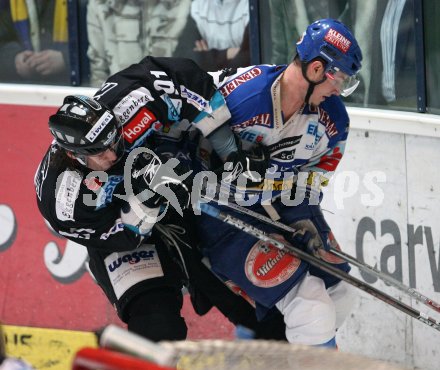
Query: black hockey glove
[251,164]
[161,180]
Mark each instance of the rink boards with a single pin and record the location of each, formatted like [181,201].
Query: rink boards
[383,207]
[46,348]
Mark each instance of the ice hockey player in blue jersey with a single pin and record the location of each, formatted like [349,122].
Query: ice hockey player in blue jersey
[296,113]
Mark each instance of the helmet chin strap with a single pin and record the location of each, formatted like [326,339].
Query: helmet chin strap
[312,84]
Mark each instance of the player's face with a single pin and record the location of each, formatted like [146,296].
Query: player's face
[335,84]
[102,161]
[323,91]
[332,85]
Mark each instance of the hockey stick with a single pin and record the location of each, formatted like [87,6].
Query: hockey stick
[315,261]
[346,257]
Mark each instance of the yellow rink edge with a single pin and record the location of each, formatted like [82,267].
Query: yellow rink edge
[46,348]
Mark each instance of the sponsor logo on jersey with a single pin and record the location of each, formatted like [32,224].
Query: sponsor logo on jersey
[126,269]
[267,266]
[77,233]
[117,227]
[105,194]
[288,143]
[284,155]
[252,136]
[330,126]
[195,99]
[140,123]
[258,120]
[336,39]
[237,81]
[131,103]
[312,130]
[68,184]
[330,161]
[174,107]
[100,125]
[131,258]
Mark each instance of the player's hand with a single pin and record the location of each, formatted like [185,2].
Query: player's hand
[307,238]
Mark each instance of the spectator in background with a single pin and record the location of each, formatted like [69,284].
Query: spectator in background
[121,32]
[217,34]
[398,53]
[288,17]
[33,41]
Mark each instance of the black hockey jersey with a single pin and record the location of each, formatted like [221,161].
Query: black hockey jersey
[149,96]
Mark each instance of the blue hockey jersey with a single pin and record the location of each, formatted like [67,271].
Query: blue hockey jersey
[310,142]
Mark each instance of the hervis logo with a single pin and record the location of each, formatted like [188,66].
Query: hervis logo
[131,258]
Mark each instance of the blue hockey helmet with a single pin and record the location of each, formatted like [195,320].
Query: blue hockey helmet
[332,41]
[85,126]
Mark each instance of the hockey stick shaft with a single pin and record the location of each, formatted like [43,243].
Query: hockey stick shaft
[388,279]
[362,266]
[315,261]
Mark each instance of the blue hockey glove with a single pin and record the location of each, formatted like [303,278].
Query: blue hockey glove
[306,237]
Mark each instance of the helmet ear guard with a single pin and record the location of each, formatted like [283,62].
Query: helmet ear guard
[85,126]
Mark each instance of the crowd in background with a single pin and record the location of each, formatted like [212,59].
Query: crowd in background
[34,44]
[34,38]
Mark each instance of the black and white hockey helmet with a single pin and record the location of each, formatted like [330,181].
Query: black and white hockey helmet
[84,126]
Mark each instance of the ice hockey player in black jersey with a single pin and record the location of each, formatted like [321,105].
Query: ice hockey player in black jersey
[139,247]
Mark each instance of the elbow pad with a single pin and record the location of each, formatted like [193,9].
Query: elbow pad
[138,217]
[213,116]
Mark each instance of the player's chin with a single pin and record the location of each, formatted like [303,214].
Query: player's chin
[105,166]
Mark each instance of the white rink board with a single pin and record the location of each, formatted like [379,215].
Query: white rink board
[395,235]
